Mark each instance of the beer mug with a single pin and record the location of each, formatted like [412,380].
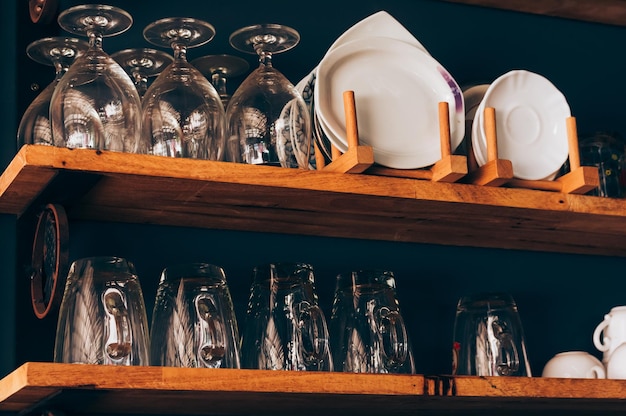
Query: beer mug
[368,334]
[488,337]
[102,318]
[285,329]
[193,321]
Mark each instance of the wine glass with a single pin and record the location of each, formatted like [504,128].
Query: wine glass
[141,64]
[182,114]
[218,69]
[267,119]
[96,104]
[60,52]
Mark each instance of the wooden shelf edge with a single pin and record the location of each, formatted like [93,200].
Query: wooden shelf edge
[610,12]
[51,160]
[122,187]
[33,384]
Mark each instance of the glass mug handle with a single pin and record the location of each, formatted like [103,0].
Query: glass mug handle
[605,343]
[508,356]
[313,332]
[212,332]
[118,343]
[393,336]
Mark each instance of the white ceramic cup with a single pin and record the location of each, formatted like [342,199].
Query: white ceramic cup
[611,332]
[616,366]
[574,364]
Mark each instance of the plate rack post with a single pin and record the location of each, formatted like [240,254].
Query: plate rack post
[497,172]
[359,158]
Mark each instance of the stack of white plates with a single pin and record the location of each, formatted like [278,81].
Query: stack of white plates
[397,86]
[531,125]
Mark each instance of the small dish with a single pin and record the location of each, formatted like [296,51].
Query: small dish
[531,125]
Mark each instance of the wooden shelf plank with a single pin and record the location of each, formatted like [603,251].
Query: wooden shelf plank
[611,12]
[110,186]
[91,389]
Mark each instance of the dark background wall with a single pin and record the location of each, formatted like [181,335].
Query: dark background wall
[561,297]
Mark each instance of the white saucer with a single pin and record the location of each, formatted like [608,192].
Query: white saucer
[531,127]
[397,89]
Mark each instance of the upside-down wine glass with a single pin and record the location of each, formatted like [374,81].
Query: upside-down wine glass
[219,69]
[96,104]
[268,121]
[60,52]
[141,64]
[182,113]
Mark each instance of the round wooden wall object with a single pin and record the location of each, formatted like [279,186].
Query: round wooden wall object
[42,11]
[49,260]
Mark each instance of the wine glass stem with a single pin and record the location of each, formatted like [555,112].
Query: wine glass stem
[265,58]
[219,82]
[95,39]
[180,51]
[141,82]
[60,68]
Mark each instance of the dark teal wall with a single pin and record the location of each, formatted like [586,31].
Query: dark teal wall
[561,297]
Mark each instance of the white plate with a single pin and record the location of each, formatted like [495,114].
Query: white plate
[473,96]
[397,89]
[480,148]
[380,24]
[531,118]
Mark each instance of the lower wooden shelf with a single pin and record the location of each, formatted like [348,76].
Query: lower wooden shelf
[77,389]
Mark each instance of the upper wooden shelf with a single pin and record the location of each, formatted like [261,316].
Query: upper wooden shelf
[121,187]
[610,12]
[80,389]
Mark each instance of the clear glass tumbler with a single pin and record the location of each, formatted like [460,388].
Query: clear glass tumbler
[102,319]
[489,337]
[285,328]
[194,323]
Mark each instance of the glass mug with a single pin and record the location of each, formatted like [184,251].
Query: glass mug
[102,318]
[488,337]
[285,328]
[368,334]
[193,322]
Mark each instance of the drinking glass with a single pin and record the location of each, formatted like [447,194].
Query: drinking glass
[219,69]
[182,113]
[489,337]
[102,318]
[141,64]
[60,52]
[285,329]
[96,105]
[268,121]
[194,323]
[367,331]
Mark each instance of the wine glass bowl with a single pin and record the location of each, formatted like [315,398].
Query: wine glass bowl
[182,114]
[60,52]
[141,64]
[267,118]
[219,69]
[96,104]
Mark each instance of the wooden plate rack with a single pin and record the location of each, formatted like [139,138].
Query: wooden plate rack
[359,158]
[499,172]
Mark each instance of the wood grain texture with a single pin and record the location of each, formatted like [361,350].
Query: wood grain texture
[611,12]
[122,187]
[79,389]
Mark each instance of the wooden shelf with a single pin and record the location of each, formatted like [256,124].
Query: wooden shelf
[611,12]
[76,389]
[121,187]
